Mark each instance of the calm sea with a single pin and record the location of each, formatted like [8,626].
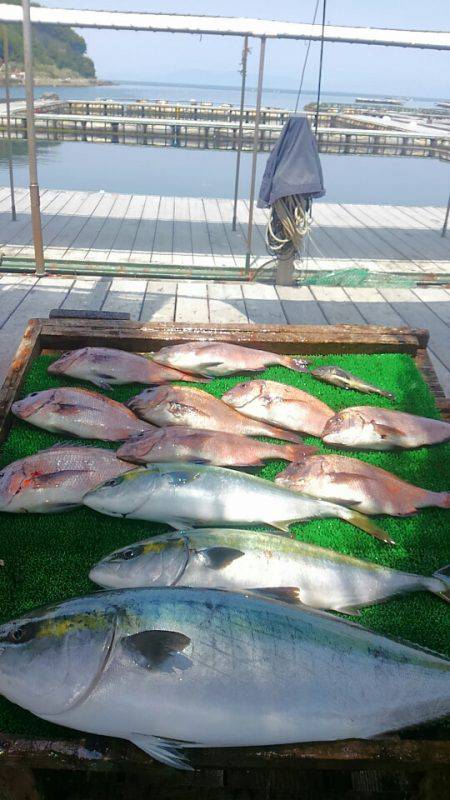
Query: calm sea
[171,171]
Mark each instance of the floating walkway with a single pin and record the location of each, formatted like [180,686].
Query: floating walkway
[187,236]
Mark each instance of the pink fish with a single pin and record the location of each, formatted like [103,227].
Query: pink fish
[382,429]
[214,359]
[356,484]
[194,408]
[207,447]
[105,366]
[79,412]
[58,478]
[279,404]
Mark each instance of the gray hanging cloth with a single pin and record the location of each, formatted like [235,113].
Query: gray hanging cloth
[293,166]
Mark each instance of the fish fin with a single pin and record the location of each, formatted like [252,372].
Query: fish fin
[297,452]
[384,431]
[286,594]
[443,575]
[219,557]
[65,409]
[364,523]
[101,382]
[282,526]
[276,433]
[351,610]
[167,751]
[55,478]
[152,648]
[297,364]
[443,500]
[179,523]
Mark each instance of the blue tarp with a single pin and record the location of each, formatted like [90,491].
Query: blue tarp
[293,166]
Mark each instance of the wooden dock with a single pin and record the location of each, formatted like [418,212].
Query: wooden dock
[137,231]
[25,296]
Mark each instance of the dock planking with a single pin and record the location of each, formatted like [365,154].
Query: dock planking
[26,296]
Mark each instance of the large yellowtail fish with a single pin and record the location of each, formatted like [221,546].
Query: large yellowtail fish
[213,359]
[354,483]
[79,412]
[56,479]
[194,408]
[381,429]
[206,447]
[180,668]
[280,404]
[241,559]
[106,367]
[188,495]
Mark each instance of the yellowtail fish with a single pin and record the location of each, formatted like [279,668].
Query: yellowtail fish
[280,404]
[79,412]
[194,408]
[213,359]
[206,447]
[56,479]
[106,367]
[188,495]
[241,559]
[359,485]
[381,429]
[177,668]
[345,380]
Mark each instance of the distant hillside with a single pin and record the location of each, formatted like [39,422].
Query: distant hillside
[58,52]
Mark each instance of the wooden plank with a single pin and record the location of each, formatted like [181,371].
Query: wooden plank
[373,307]
[437,299]
[220,245]
[81,246]
[201,244]
[127,295]
[105,239]
[159,301]
[415,313]
[262,303]
[226,302]
[336,306]
[182,237]
[87,294]
[300,306]
[192,302]
[13,290]
[142,249]
[163,241]
[127,231]
[15,374]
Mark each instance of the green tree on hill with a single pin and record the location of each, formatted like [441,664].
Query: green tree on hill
[56,49]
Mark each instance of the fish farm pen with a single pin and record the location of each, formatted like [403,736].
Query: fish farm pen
[215,127]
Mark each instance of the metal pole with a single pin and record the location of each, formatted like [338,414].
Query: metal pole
[319,88]
[8,121]
[447,213]
[262,51]
[32,165]
[241,122]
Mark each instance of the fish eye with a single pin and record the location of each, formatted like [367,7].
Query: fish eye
[127,555]
[33,394]
[23,633]
[114,482]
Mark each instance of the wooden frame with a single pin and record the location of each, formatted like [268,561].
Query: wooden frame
[42,335]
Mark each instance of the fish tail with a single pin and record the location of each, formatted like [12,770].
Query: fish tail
[297,452]
[443,576]
[297,364]
[442,499]
[364,523]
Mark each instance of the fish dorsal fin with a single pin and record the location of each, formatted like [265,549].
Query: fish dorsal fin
[167,751]
[219,557]
[286,594]
[151,649]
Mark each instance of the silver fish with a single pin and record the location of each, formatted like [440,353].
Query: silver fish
[345,380]
[56,479]
[80,413]
[185,495]
[240,559]
[106,367]
[214,359]
[207,447]
[177,668]
[382,429]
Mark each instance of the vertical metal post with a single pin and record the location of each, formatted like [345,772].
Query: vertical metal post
[32,165]
[8,121]
[447,213]
[262,52]
[241,122]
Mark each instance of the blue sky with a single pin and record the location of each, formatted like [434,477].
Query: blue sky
[159,57]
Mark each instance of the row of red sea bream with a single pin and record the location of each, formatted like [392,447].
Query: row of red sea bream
[249,665]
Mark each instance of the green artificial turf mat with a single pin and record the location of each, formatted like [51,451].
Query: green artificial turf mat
[47,557]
